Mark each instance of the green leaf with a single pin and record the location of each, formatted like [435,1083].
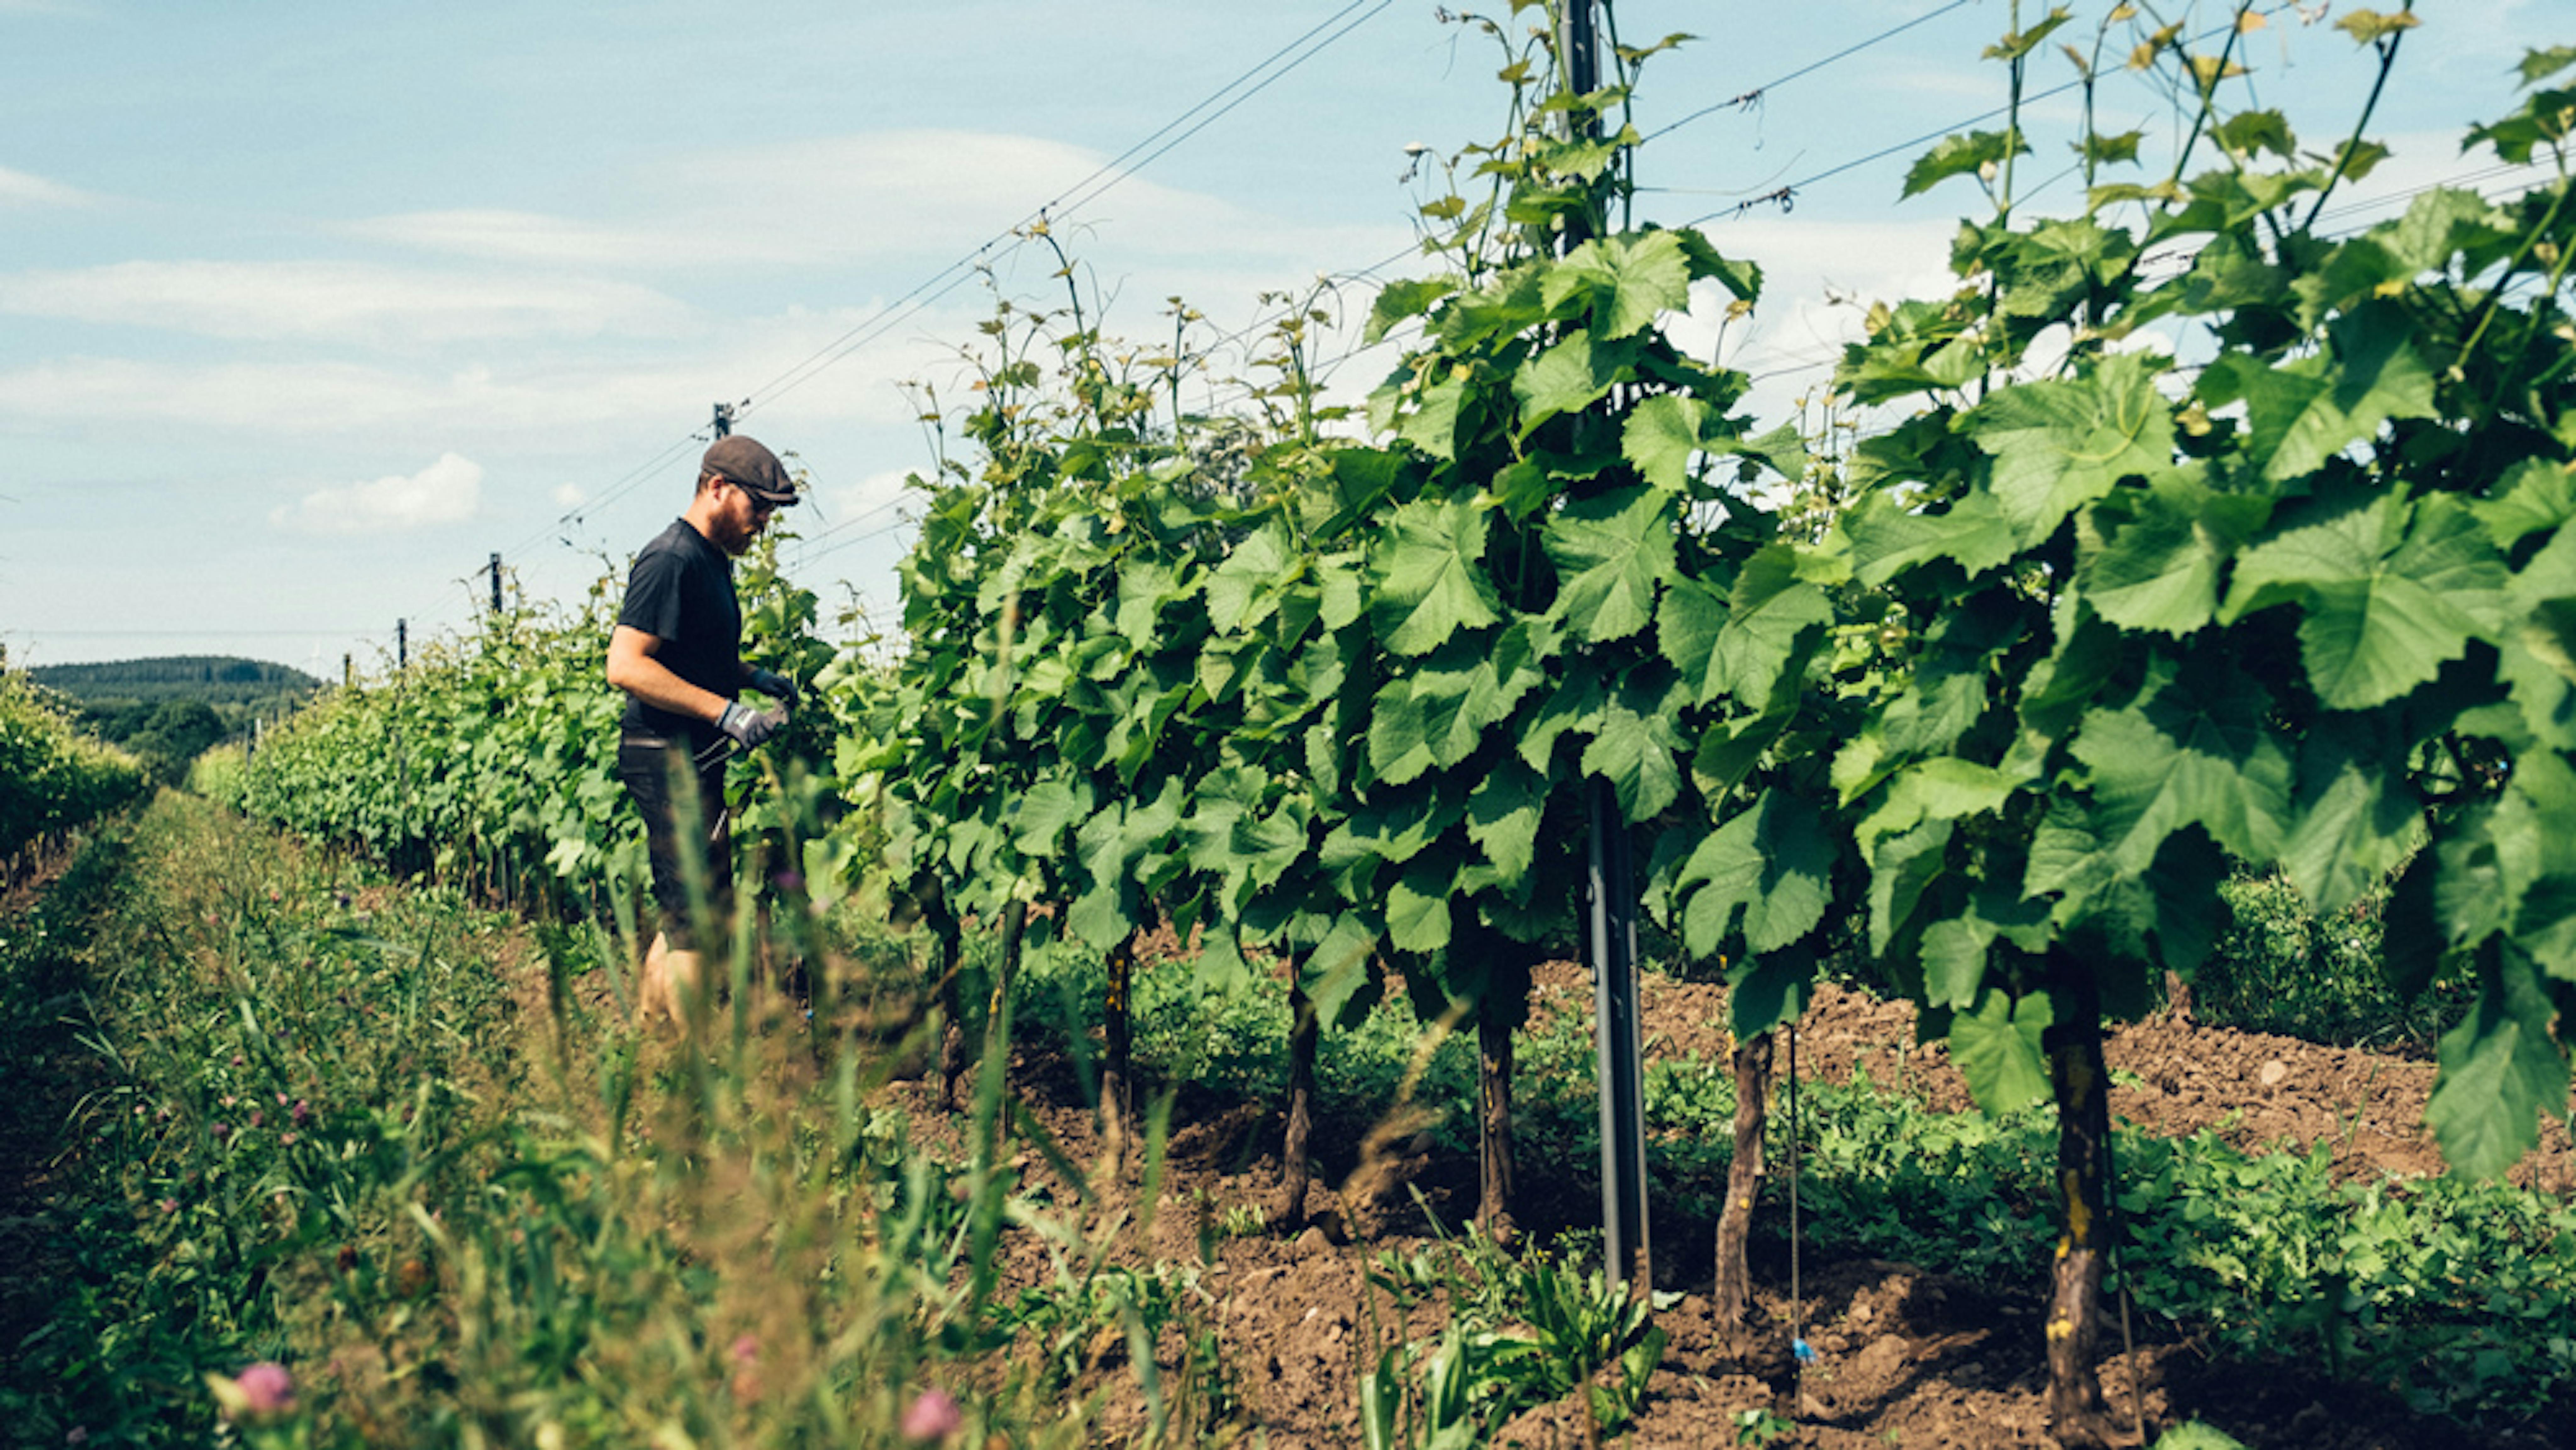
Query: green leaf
[1996,1045]
[2060,445]
[1772,608]
[1661,436]
[1889,538]
[2389,594]
[1763,992]
[1244,589]
[2369,26]
[1638,748]
[1633,280]
[1339,973]
[1570,377]
[2201,753]
[1744,279]
[1398,302]
[2020,43]
[1417,906]
[1144,587]
[2250,132]
[1575,706]
[2104,150]
[1432,424]
[1046,810]
[2540,65]
[2146,560]
[1503,814]
[1220,970]
[2356,820]
[1610,550]
[1942,788]
[2500,1069]
[1958,156]
[2307,411]
[1771,863]
[1427,576]
[1687,625]
[2533,495]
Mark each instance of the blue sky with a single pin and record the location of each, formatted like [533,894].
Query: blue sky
[306,308]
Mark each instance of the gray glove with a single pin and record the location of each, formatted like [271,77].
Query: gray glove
[776,686]
[747,727]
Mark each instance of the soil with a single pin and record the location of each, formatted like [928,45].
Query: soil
[1905,1356]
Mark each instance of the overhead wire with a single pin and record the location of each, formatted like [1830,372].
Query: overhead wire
[1756,94]
[1786,196]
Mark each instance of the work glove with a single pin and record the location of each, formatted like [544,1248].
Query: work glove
[749,727]
[776,686]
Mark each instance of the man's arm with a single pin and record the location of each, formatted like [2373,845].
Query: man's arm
[632,668]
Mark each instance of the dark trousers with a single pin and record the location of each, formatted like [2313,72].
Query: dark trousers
[656,772]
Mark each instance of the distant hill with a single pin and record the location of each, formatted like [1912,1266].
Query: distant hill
[213,679]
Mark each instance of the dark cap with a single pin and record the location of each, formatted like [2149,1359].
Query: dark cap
[742,461]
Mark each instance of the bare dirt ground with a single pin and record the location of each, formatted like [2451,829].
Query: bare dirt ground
[1906,1357]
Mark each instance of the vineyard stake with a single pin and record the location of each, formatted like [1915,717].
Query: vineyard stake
[1625,1247]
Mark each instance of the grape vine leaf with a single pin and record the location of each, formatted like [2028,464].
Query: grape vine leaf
[1244,588]
[2149,558]
[1662,434]
[1417,906]
[2355,823]
[1634,280]
[1570,377]
[1771,863]
[1960,156]
[1427,576]
[2198,753]
[2501,1069]
[2390,593]
[1610,550]
[2308,410]
[1637,747]
[1996,1044]
[1503,814]
[2060,445]
[1889,536]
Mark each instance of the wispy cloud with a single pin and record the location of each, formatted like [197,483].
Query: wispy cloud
[837,201]
[449,491]
[22,188]
[339,301]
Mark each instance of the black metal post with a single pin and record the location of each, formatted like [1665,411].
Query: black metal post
[402,644]
[496,586]
[1617,1032]
[1626,1242]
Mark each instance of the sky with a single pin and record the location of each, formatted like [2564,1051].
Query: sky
[307,309]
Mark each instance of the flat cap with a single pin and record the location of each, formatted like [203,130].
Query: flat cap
[744,462]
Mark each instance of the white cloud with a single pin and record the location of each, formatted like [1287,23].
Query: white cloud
[449,491]
[845,200]
[338,301]
[19,188]
[570,495]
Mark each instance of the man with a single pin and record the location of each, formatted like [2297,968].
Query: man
[677,653]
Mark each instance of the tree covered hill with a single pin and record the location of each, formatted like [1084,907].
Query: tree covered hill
[167,711]
[212,679]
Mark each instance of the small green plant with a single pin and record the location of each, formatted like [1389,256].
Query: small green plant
[1761,1426]
[1525,1329]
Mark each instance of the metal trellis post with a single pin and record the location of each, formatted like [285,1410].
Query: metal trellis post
[1626,1243]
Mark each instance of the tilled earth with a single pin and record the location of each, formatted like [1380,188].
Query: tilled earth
[1906,1356]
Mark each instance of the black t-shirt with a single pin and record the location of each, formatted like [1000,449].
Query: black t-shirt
[681,592]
